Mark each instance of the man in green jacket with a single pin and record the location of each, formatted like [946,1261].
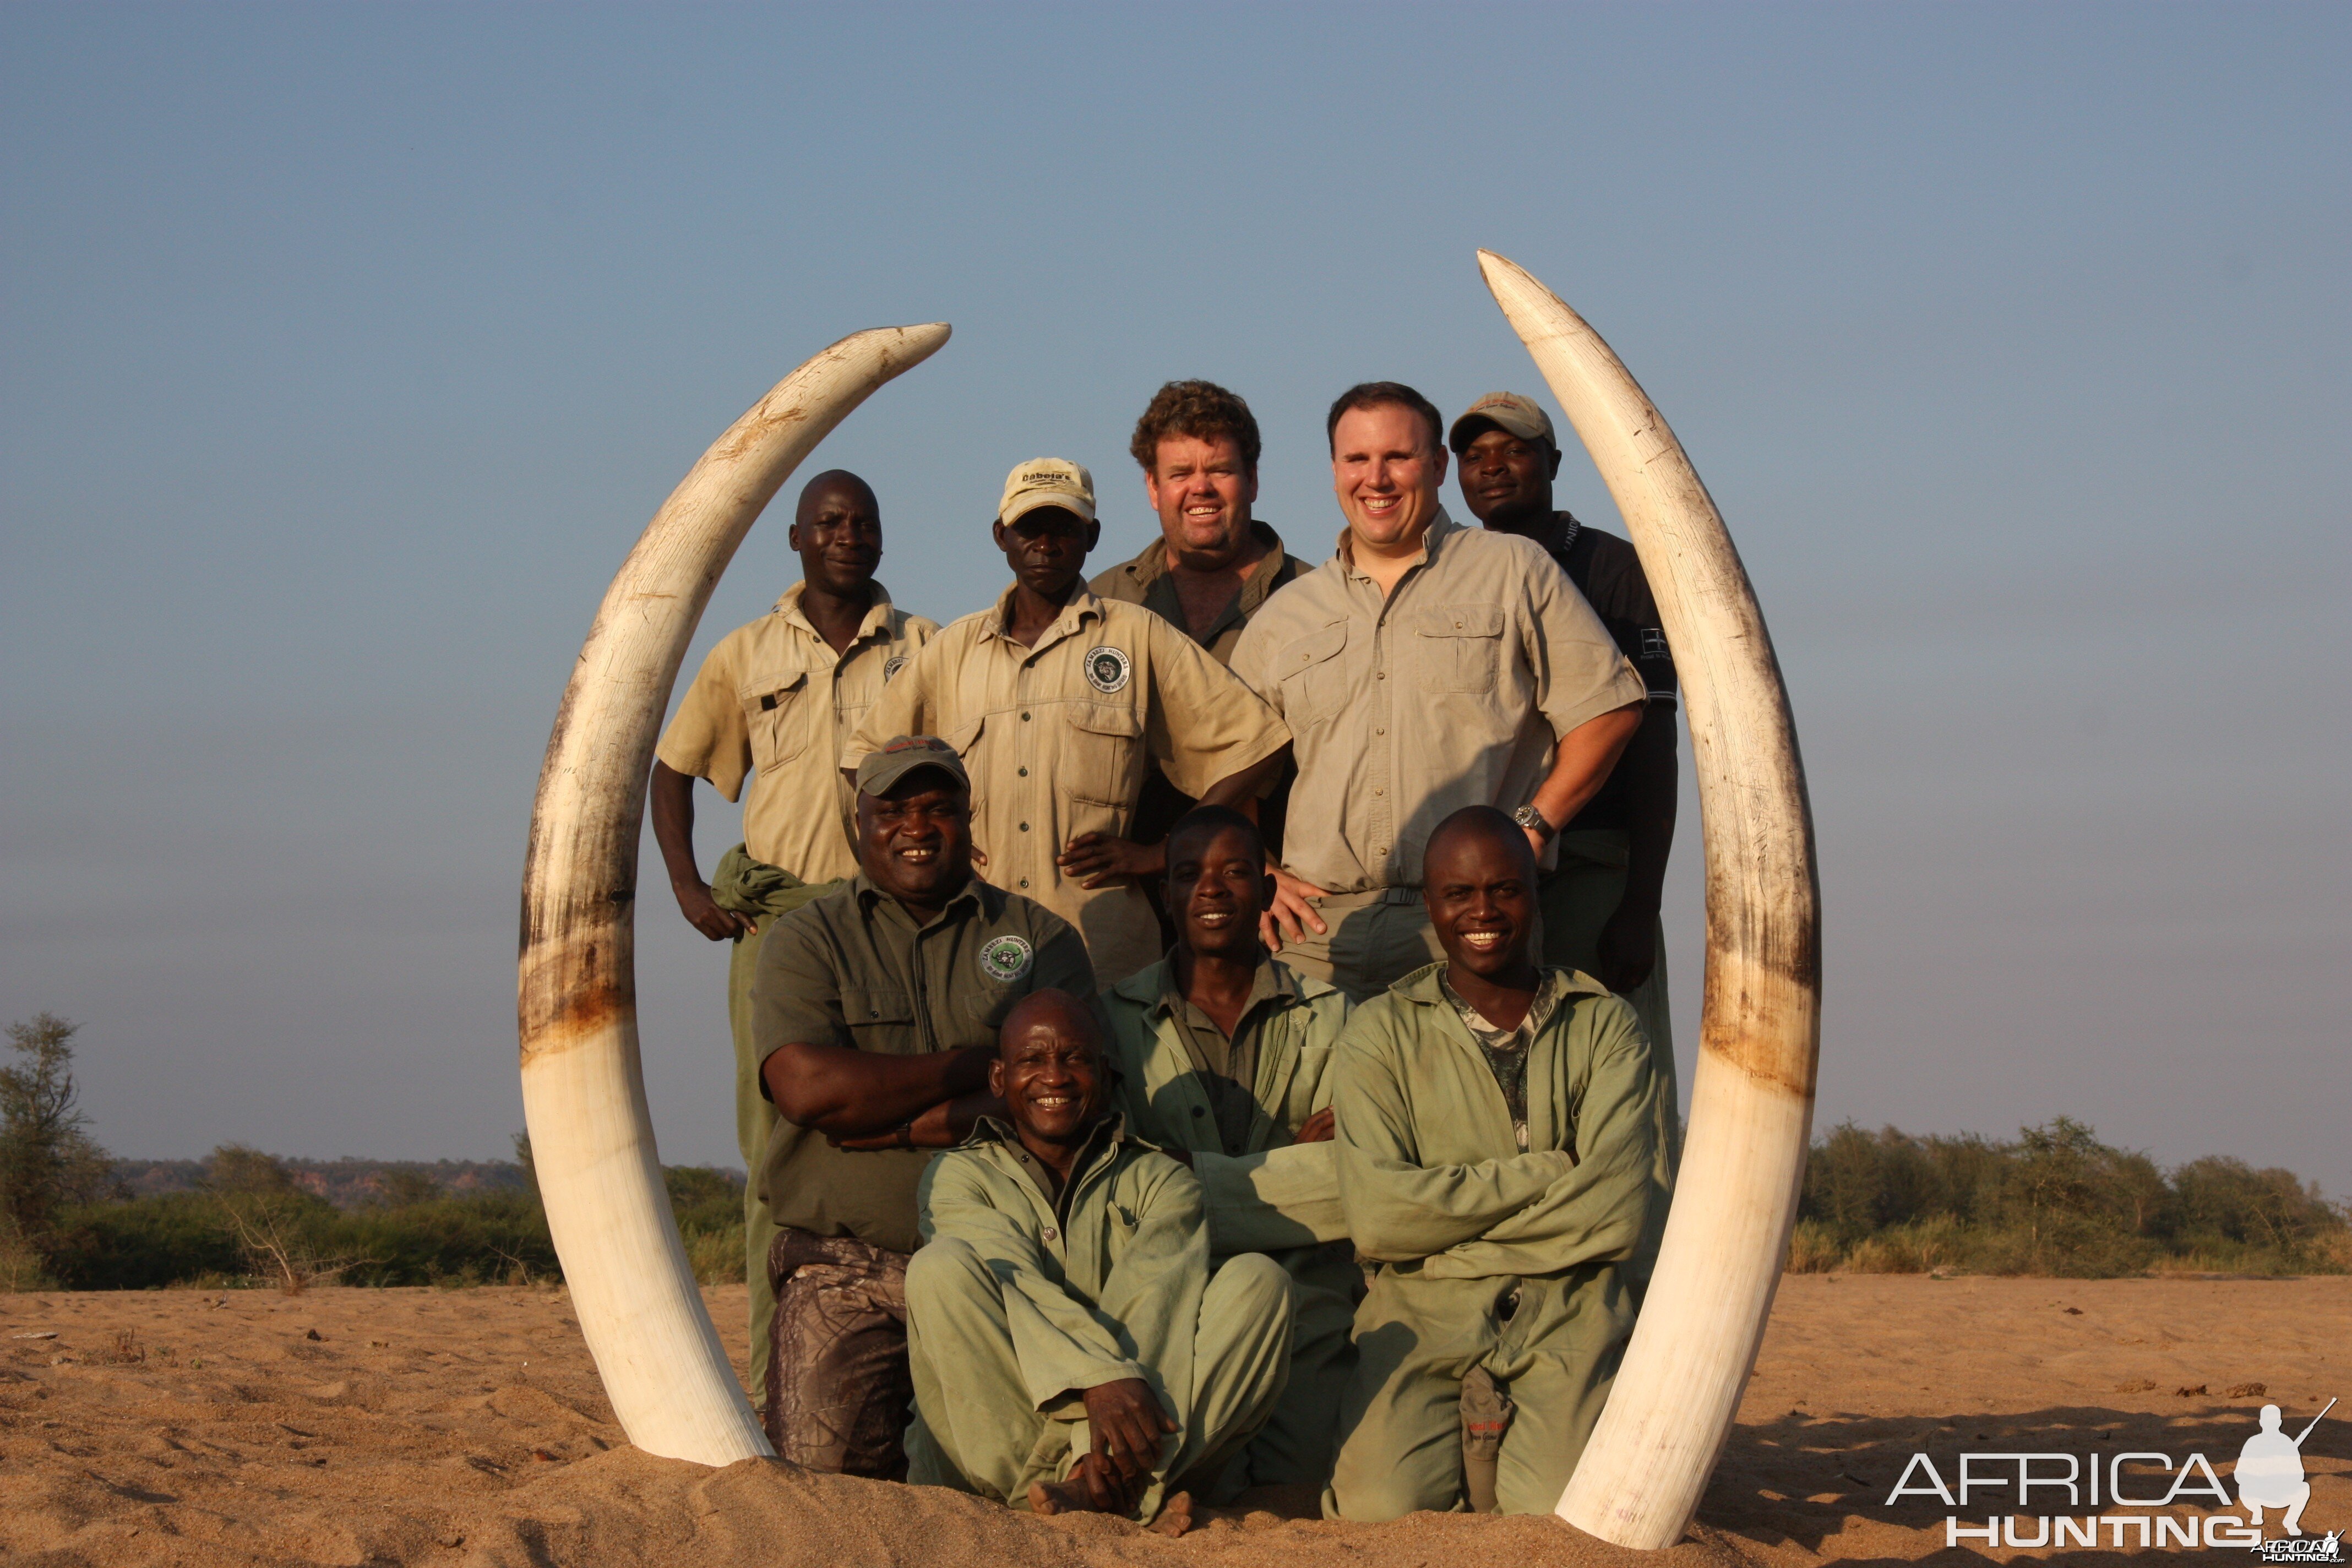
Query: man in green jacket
[1222,1054]
[1499,1155]
[1073,1348]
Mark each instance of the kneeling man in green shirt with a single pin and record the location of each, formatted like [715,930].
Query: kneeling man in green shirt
[1072,1347]
[1499,1155]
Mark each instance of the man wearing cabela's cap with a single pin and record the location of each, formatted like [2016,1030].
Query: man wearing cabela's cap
[875,1013]
[1059,701]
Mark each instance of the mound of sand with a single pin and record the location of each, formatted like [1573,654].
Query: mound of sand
[466,1427]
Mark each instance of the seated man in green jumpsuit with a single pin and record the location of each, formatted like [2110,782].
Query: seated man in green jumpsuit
[1222,1053]
[1499,1155]
[1072,1347]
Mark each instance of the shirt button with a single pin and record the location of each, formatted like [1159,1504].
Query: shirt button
[1379,790]
[1380,675]
[1024,828]
[1024,881]
[1025,773]
[1052,1235]
[1380,729]
[1198,1111]
[1024,718]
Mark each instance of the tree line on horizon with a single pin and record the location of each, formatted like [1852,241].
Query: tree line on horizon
[2054,1201]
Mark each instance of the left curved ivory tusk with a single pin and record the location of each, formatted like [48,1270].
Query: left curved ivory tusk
[1726,1236]
[583,1086]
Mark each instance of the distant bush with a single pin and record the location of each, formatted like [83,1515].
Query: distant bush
[2056,1201]
[254,1224]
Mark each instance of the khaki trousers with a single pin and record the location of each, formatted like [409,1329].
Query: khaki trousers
[976,1430]
[1375,940]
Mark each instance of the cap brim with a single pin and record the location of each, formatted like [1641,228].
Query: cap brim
[1024,506]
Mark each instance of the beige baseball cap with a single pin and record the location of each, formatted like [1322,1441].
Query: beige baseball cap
[1047,481]
[1522,416]
[880,770]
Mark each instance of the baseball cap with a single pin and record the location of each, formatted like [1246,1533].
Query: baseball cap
[1522,416]
[1047,481]
[879,770]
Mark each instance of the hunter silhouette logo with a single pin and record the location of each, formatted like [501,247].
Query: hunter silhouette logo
[2269,1474]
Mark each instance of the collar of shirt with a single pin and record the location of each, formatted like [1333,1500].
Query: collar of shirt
[1082,604]
[1425,986]
[1432,539]
[1151,565]
[1493,1035]
[876,624]
[1103,1142]
[1266,985]
[973,899]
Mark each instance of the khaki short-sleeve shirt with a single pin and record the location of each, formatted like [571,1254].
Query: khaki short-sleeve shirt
[1405,708]
[854,970]
[774,704]
[1057,738]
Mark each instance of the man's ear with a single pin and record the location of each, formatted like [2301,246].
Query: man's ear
[1094,536]
[1249,493]
[792,537]
[996,531]
[1555,462]
[1443,456]
[996,1077]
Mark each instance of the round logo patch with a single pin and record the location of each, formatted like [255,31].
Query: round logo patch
[1108,669]
[1006,959]
[892,665]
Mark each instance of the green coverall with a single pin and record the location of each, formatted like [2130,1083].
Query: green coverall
[1016,1304]
[1525,1264]
[1275,1197]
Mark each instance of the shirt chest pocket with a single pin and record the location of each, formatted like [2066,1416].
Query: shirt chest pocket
[880,1018]
[1458,647]
[1314,676]
[1102,755]
[781,712]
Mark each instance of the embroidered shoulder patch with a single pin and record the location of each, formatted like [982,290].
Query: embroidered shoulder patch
[1006,959]
[892,665]
[1108,669]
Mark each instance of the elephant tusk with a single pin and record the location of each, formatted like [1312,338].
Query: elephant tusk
[1726,1236]
[583,1083]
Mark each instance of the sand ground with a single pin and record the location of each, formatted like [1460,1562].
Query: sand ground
[468,1427]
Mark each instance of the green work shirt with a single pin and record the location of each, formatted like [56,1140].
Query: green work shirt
[854,970]
[1264,1193]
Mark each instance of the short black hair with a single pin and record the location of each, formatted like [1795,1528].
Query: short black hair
[1385,395]
[1213,820]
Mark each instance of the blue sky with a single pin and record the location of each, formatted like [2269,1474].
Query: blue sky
[347,349]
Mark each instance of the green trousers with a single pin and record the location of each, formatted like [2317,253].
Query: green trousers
[976,1429]
[1297,1444]
[767,894]
[1551,1343]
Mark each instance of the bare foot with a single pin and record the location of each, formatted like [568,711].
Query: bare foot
[1061,1497]
[1175,1516]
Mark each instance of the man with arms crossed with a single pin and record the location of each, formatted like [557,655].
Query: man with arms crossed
[1424,667]
[1223,1055]
[1601,902]
[1498,1156]
[774,704]
[1073,1347]
[875,1014]
[1058,700]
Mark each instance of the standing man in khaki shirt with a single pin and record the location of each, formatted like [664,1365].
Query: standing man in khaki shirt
[773,704]
[1058,700]
[1211,566]
[1423,668]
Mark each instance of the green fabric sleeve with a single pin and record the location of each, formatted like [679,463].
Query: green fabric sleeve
[796,991]
[1062,1345]
[1153,1291]
[1595,1213]
[1398,1209]
[1275,1199]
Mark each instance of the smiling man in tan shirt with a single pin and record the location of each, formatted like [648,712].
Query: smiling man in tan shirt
[1059,701]
[770,709]
[1424,667]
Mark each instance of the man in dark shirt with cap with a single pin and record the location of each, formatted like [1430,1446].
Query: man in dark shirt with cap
[1601,906]
[875,1014]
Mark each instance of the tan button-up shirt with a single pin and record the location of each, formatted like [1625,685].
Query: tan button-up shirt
[1449,692]
[775,704]
[1057,738]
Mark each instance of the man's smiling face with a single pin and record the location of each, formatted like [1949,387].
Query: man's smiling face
[1481,890]
[1386,465]
[1203,492]
[1049,1070]
[1217,887]
[914,841]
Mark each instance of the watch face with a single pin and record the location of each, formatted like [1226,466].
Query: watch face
[1527,817]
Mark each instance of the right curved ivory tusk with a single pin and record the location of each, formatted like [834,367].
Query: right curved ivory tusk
[582,1088]
[1726,1237]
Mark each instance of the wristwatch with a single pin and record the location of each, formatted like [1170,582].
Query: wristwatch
[1528,817]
